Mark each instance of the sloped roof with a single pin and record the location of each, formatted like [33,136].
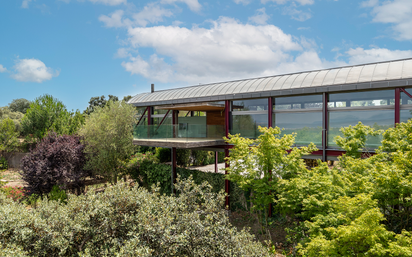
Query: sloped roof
[358,77]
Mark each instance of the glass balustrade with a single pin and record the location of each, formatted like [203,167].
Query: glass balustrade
[181,131]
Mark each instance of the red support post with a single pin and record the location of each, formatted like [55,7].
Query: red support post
[270,114]
[142,116]
[325,127]
[397,104]
[167,113]
[227,124]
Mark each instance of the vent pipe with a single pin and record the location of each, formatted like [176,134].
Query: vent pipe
[152,88]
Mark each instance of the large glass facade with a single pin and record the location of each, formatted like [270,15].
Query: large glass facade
[378,119]
[301,115]
[359,99]
[298,102]
[306,125]
[406,106]
[248,115]
[247,125]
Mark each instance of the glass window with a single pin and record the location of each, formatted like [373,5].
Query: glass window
[306,125]
[251,105]
[378,119]
[247,125]
[365,98]
[405,98]
[298,102]
[405,115]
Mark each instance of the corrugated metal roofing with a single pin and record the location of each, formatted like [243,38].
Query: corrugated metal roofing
[378,75]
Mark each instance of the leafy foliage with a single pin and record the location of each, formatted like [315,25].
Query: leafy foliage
[108,136]
[126,221]
[19,105]
[99,102]
[4,165]
[257,165]
[163,154]
[56,160]
[7,113]
[8,136]
[183,157]
[47,114]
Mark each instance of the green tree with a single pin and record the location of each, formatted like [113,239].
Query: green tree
[108,136]
[47,113]
[257,165]
[19,105]
[16,117]
[99,102]
[8,136]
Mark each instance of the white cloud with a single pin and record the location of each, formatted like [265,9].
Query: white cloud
[360,55]
[32,70]
[260,18]
[25,4]
[122,53]
[105,2]
[301,2]
[396,12]
[227,50]
[2,69]
[114,20]
[151,13]
[244,2]
[192,4]
[296,14]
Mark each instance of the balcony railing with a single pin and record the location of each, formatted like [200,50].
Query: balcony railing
[179,131]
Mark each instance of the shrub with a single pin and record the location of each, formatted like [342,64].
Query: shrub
[15,193]
[8,136]
[163,154]
[125,221]
[15,116]
[200,157]
[4,165]
[108,137]
[57,194]
[56,160]
[46,114]
[183,157]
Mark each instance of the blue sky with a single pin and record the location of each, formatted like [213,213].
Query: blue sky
[77,49]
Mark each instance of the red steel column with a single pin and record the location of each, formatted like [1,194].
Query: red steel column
[227,125]
[325,127]
[270,114]
[397,105]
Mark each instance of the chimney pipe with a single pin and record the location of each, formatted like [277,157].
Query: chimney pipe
[152,88]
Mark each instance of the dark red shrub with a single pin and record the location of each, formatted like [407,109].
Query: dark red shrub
[56,160]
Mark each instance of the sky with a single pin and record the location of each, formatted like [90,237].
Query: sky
[78,49]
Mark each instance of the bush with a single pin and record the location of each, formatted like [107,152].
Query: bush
[150,173]
[15,193]
[4,165]
[200,157]
[163,154]
[56,160]
[47,114]
[125,221]
[108,137]
[15,116]
[57,194]
[183,157]
[8,136]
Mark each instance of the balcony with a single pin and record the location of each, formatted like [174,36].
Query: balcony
[182,135]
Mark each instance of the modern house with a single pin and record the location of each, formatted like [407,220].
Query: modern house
[314,104]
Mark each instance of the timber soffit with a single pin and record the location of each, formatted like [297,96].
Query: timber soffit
[372,75]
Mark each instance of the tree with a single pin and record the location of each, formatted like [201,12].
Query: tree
[127,98]
[16,117]
[8,136]
[47,113]
[256,165]
[19,105]
[56,160]
[99,102]
[108,137]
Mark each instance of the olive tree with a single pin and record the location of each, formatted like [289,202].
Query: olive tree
[108,136]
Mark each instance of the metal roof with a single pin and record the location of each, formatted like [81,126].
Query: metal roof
[359,77]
